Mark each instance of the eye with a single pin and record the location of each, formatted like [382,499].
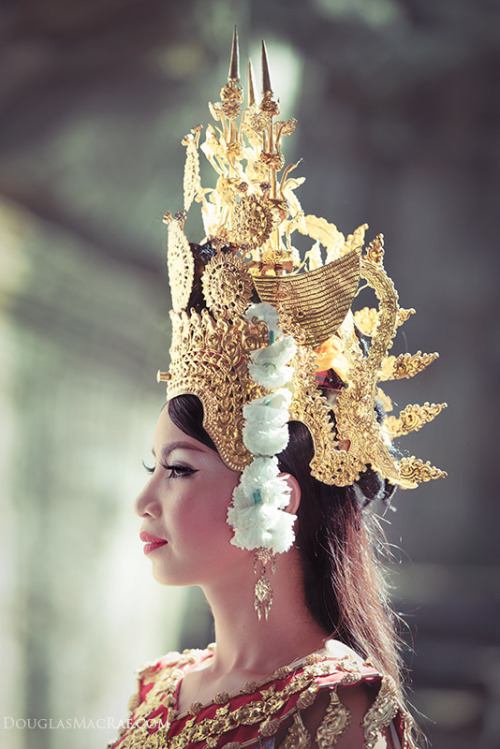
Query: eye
[149,469]
[176,471]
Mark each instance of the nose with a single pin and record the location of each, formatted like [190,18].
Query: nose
[146,503]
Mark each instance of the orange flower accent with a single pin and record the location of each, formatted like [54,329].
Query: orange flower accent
[331,356]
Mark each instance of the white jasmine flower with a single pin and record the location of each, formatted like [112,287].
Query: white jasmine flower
[261,470]
[270,376]
[274,492]
[270,411]
[262,526]
[267,313]
[265,441]
[277,353]
[257,512]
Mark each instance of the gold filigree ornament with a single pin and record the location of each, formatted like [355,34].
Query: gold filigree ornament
[253,221]
[297,737]
[381,713]
[251,216]
[227,284]
[336,720]
[263,592]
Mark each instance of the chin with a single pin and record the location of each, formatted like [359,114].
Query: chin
[168,577]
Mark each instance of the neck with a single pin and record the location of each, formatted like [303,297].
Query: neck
[247,644]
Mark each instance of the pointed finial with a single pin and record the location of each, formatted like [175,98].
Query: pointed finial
[234,73]
[251,88]
[266,79]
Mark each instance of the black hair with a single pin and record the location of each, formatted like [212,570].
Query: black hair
[339,543]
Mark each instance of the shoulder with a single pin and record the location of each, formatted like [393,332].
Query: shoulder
[350,705]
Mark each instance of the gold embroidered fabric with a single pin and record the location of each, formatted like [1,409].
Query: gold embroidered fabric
[251,216]
[275,707]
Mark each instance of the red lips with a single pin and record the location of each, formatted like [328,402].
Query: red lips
[151,542]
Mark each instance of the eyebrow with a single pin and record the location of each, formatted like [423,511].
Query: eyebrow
[171,446]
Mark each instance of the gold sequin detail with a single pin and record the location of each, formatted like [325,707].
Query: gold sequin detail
[282,672]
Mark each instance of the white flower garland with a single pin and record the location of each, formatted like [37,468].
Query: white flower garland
[257,512]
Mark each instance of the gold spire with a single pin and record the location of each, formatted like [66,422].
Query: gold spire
[234,73]
[231,94]
[251,87]
[266,78]
[268,105]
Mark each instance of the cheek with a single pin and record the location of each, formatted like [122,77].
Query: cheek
[201,515]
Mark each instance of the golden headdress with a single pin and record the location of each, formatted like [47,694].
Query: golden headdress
[339,358]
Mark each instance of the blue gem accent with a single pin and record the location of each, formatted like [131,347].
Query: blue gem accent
[257,497]
[271,336]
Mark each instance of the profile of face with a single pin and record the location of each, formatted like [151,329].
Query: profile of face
[184,504]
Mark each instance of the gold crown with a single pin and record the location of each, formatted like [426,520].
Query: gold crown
[250,217]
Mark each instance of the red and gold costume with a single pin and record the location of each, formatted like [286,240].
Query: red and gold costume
[274,713]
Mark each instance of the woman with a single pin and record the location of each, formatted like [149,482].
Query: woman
[271,446]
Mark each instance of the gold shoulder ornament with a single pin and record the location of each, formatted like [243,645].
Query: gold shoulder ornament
[339,358]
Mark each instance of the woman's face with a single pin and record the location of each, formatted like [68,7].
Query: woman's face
[184,504]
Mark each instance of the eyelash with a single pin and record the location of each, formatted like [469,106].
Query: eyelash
[176,471]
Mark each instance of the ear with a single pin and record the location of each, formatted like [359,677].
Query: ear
[295,493]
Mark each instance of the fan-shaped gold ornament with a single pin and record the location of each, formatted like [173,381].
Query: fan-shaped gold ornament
[318,300]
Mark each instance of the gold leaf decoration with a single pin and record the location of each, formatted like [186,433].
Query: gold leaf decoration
[384,399]
[414,471]
[412,418]
[404,315]
[366,320]
[325,232]
[375,250]
[355,240]
[406,365]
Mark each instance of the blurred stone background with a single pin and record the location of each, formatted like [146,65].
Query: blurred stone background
[398,110]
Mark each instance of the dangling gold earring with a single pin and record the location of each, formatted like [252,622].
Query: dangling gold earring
[263,592]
